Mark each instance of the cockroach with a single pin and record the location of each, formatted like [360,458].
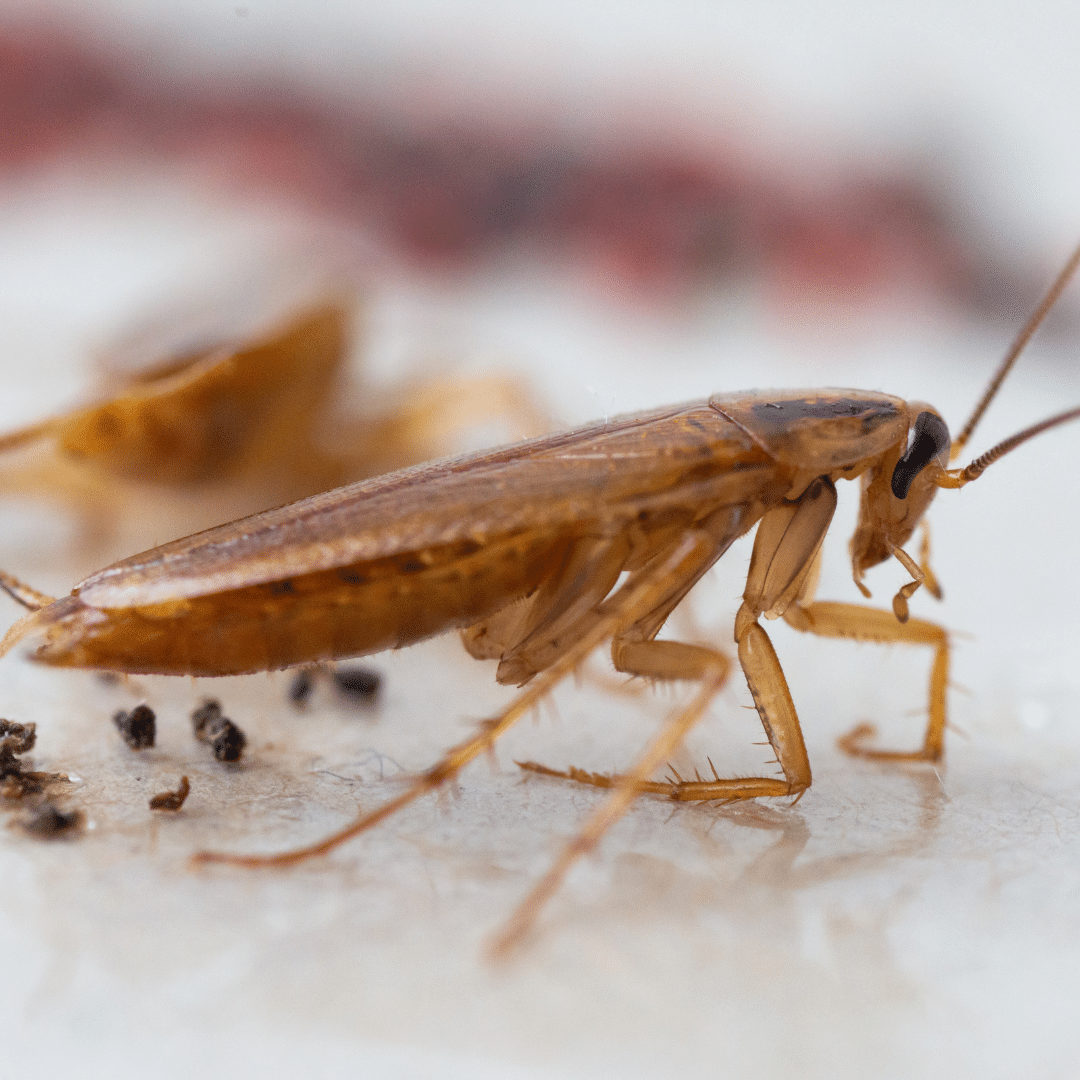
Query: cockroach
[197,400]
[203,397]
[524,550]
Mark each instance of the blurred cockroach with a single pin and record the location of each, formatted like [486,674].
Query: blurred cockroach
[235,398]
[522,549]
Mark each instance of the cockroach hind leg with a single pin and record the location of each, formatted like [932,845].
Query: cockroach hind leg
[594,779]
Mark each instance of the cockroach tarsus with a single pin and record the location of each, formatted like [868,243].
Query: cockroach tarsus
[541,552]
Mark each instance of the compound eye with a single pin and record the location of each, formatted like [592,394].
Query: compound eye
[929,439]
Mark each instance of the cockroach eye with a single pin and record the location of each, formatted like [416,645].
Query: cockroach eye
[929,439]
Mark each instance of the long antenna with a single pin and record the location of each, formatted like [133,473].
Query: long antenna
[1015,350]
[955,478]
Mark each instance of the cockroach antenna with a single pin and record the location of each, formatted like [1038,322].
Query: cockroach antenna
[955,478]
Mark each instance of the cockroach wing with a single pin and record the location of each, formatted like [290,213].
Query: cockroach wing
[597,479]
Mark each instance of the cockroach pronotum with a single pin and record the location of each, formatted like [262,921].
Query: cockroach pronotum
[523,549]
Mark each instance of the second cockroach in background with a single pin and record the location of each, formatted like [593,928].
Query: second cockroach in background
[523,549]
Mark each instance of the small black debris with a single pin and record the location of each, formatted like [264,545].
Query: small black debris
[15,782]
[301,687]
[358,682]
[47,822]
[171,800]
[137,728]
[17,739]
[225,738]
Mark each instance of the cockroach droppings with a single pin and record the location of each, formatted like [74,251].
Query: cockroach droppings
[17,782]
[301,687]
[225,738]
[15,739]
[48,822]
[360,683]
[137,728]
[171,800]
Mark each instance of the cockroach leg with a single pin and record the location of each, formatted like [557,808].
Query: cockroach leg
[641,594]
[836,620]
[22,593]
[626,790]
[930,580]
[428,422]
[905,592]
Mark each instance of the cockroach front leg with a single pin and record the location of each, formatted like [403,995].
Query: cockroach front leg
[827,619]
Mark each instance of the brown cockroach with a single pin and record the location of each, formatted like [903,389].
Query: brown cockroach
[524,550]
[241,394]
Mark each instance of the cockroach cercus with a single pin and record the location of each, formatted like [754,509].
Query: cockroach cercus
[522,549]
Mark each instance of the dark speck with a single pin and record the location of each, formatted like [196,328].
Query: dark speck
[301,688]
[225,738]
[172,800]
[47,822]
[358,682]
[137,728]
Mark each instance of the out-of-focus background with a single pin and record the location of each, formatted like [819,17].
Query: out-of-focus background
[596,208]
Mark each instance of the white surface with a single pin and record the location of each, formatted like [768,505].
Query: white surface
[897,922]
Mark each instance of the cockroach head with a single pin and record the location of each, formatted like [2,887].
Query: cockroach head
[898,488]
